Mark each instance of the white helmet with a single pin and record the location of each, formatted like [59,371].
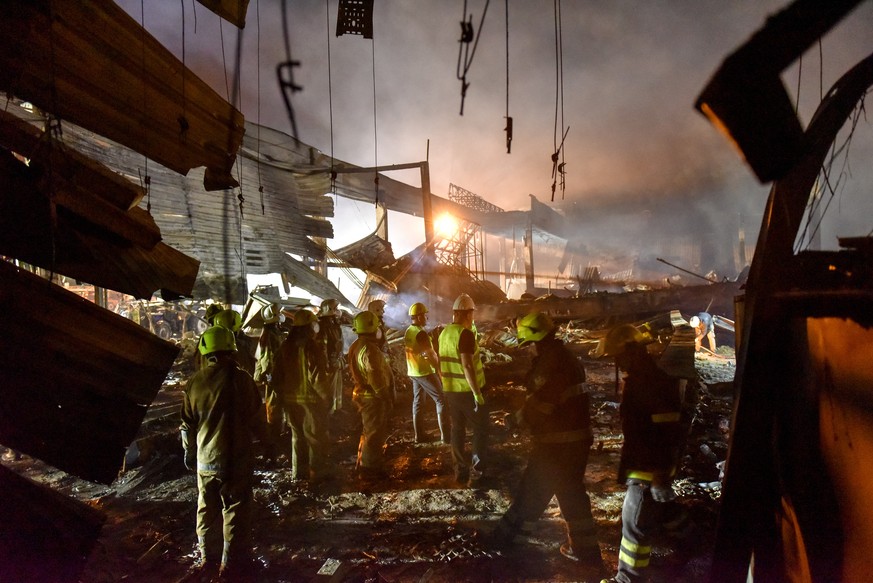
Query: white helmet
[464,302]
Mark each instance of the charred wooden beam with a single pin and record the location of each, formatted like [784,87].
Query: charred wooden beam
[233,11]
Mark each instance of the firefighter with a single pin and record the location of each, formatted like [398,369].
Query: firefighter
[373,394]
[221,412]
[265,353]
[330,339]
[421,367]
[463,383]
[294,374]
[378,307]
[245,354]
[557,413]
[654,435]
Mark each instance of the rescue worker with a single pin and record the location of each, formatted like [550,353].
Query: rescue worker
[421,367]
[557,414]
[463,383]
[245,354]
[373,394]
[221,412]
[265,353]
[294,374]
[654,435]
[330,339]
[212,310]
[704,327]
[378,307]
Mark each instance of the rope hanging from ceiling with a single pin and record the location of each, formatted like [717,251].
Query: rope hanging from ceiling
[285,74]
[508,128]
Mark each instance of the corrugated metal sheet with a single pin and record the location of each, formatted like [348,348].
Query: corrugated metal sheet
[90,63]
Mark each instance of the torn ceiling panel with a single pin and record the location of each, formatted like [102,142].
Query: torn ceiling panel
[300,275]
[76,380]
[233,11]
[89,63]
[60,212]
[229,232]
[371,252]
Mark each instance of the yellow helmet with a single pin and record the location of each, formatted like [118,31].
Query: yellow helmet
[366,322]
[376,306]
[464,302]
[618,338]
[229,319]
[417,309]
[328,305]
[216,339]
[304,317]
[534,327]
[271,314]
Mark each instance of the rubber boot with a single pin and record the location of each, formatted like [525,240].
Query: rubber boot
[443,421]
[416,423]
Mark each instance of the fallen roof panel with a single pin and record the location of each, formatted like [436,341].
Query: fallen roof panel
[90,63]
[76,378]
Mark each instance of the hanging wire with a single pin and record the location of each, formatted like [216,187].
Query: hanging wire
[258,137]
[330,99]
[467,36]
[285,73]
[375,119]
[508,128]
[145,180]
[557,157]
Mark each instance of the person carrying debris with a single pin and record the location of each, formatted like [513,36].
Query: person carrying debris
[557,414]
[221,412]
[421,367]
[330,339]
[463,378]
[265,354]
[294,374]
[704,327]
[373,395]
[654,436]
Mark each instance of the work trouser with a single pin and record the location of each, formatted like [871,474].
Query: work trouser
[329,385]
[229,497]
[462,409]
[641,518]
[431,386]
[309,438]
[275,414]
[555,469]
[375,415]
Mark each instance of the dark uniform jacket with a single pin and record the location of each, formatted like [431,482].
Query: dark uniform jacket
[652,422]
[221,413]
[557,407]
[294,367]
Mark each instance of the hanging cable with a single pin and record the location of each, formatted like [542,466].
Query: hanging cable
[467,36]
[557,157]
[145,180]
[258,137]
[330,100]
[508,128]
[285,74]
[375,128]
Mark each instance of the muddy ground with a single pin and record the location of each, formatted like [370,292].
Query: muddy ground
[418,525]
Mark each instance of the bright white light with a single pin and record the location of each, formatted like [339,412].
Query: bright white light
[446,226]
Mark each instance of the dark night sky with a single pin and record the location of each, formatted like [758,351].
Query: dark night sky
[631,72]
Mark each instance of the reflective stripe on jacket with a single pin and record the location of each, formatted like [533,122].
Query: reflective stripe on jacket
[417,365]
[451,369]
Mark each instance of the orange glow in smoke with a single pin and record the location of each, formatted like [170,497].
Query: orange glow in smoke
[446,226]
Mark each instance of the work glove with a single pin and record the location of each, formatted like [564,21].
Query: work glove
[478,401]
[662,493]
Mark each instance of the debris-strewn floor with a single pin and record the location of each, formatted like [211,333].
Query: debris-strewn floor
[418,525]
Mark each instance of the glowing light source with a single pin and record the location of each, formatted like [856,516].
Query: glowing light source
[446,226]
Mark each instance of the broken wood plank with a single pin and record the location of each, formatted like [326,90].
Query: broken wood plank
[76,379]
[233,11]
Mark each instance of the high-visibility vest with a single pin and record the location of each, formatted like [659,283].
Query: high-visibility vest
[416,363]
[451,369]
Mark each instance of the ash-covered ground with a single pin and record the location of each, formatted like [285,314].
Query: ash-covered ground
[417,525]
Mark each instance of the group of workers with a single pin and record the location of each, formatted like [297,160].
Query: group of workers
[297,379]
